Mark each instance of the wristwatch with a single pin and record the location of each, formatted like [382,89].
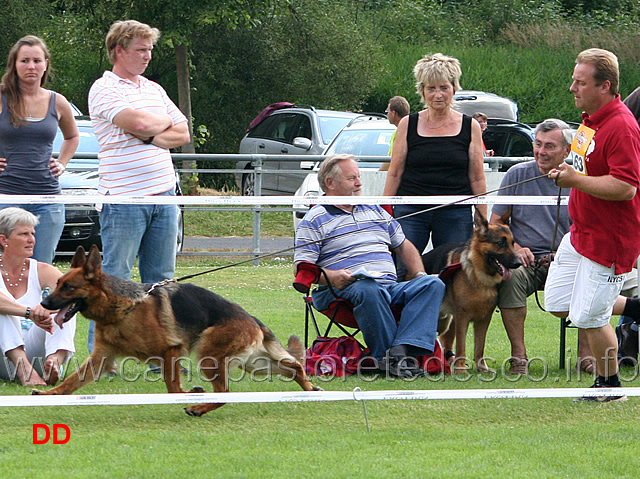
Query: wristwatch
[148,140]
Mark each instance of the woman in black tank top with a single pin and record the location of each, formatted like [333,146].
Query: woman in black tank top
[437,152]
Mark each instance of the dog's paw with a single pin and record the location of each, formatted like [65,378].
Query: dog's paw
[463,370]
[485,369]
[192,412]
[317,388]
[196,389]
[37,392]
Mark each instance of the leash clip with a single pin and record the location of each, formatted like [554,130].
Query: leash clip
[158,284]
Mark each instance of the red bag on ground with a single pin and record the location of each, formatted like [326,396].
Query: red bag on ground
[435,363]
[341,356]
[334,356]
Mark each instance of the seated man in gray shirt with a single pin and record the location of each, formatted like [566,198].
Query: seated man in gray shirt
[534,228]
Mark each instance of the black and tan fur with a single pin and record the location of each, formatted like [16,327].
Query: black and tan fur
[471,294]
[165,324]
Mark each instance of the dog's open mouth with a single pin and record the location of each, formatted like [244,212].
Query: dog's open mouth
[66,313]
[501,269]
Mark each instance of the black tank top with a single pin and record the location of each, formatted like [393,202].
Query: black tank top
[436,165]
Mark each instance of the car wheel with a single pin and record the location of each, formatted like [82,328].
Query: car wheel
[248,185]
[180,238]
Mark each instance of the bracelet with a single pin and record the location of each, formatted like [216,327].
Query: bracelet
[148,140]
[27,313]
[420,274]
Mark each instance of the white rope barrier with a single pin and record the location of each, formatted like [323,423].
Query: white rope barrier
[296,201]
[309,396]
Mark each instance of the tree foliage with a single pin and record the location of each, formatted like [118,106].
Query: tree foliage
[339,54]
[297,53]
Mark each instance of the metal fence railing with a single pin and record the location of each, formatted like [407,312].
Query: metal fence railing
[207,164]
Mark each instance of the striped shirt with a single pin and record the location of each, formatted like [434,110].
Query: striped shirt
[350,240]
[128,166]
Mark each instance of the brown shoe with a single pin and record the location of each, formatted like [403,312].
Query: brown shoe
[519,366]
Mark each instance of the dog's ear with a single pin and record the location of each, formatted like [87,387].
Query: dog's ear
[78,258]
[93,266]
[480,221]
[506,216]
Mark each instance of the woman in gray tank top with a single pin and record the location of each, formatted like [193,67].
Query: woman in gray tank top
[30,116]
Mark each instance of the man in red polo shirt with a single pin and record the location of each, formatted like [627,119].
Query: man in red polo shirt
[603,243]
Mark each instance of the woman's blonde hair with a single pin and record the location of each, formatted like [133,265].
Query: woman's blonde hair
[437,68]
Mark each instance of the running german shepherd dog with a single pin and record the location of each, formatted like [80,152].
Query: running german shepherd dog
[475,270]
[165,322]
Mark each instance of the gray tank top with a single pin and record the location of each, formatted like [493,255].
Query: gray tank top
[28,150]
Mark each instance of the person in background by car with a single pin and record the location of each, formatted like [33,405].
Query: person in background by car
[136,123]
[29,119]
[633,103]
[438,151]
[483,120]
[397,109]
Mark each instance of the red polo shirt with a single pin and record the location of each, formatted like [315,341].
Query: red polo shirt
[608,232]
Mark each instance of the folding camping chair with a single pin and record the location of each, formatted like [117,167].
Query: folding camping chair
[339,314]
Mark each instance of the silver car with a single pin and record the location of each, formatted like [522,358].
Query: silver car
[298,130]
[369,137]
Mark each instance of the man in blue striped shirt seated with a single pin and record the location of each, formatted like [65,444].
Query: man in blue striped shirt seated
[353,244]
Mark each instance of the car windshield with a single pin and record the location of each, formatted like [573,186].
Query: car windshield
[362,142]
[330,126]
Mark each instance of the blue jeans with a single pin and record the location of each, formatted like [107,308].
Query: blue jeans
[146,232]
[421,298]
[446,225]
[48,230]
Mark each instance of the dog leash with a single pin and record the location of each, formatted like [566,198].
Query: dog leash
[376,223]
[537,266]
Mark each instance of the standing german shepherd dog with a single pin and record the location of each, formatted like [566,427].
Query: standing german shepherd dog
[471,295]
[165,323]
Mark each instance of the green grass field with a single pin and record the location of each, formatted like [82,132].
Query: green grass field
[489,438]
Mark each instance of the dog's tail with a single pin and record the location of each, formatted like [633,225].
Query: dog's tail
[295,348]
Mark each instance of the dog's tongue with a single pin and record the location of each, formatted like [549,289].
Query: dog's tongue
[506,273]
[59,317]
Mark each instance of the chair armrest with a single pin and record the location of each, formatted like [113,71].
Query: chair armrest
[306,275]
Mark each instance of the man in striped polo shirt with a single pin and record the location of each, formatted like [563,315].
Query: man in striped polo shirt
[353,245]
[136,123]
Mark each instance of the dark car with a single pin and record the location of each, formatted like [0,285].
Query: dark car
[293,130]
[509,138]
[82,223]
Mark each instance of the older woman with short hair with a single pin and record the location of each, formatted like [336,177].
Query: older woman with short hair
[32,345]
[438,151]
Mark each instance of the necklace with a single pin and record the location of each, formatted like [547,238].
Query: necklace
[6,274]
[443,123]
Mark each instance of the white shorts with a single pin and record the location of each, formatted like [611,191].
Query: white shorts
[584,288]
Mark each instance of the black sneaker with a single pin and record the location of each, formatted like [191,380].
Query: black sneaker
[599,384]
[403,368]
